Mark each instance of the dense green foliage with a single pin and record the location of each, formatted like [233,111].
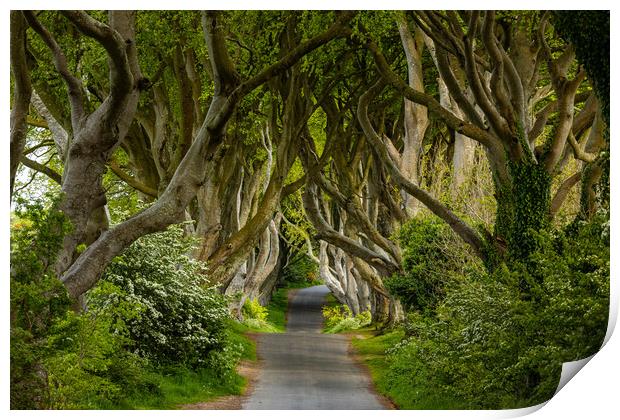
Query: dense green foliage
[36,236]
[300,271]
[253,309]
[179,321]
[422,285]
[255,317]
[151,335]
[339,318]
[492,345]
[60,358]
[588,31]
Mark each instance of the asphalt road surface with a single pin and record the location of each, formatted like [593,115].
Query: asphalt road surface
[303,369]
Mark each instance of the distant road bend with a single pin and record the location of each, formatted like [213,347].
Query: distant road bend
[303,369]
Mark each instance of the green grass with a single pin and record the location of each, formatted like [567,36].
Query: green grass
[177,386]
[237,332]
[171,387]
[406,392]
[277,309]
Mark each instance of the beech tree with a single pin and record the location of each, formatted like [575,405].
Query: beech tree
[95,135]
[445,171]
[517,80]
[364,119]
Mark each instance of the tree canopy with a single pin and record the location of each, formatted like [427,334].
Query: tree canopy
[339,137]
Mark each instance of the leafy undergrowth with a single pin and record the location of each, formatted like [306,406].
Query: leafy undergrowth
[277,309]
[404,391]
[237,336]
[175,386]
[122,353]
[339,318]
[255,318]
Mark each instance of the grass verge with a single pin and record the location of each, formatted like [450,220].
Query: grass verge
[174,386]
[277,309]
[404,390]
[177,386]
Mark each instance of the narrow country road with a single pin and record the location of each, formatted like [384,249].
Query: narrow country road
[306,370]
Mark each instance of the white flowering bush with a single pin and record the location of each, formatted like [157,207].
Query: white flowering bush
[180,321]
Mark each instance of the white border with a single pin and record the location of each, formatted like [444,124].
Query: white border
[594,391]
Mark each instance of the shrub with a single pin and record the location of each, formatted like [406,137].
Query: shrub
[301,271]
[151,305]
[38,299]
[432,259]
[180,321]
[335,314]
[255,316]
[90,363]
[254,310]
[340,318]
[491,345]
[346,324]
[59,359]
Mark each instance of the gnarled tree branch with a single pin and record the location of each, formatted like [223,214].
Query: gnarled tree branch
[21,93]
[466,233]
[36,166]
[131,181]
[74,86]
[562,193]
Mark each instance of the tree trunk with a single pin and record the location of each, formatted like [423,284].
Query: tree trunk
[415,116]
[522,209]
[21,93]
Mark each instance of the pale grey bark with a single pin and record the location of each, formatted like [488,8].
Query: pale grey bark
[596,140]
[251,275]
[351,285]
[21,93]
[265,262]
[269,285]
[59,134]
[462,160]
[327,233]
[464,147]
[328,274]
[205,152]
[209,223]
[415,115]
